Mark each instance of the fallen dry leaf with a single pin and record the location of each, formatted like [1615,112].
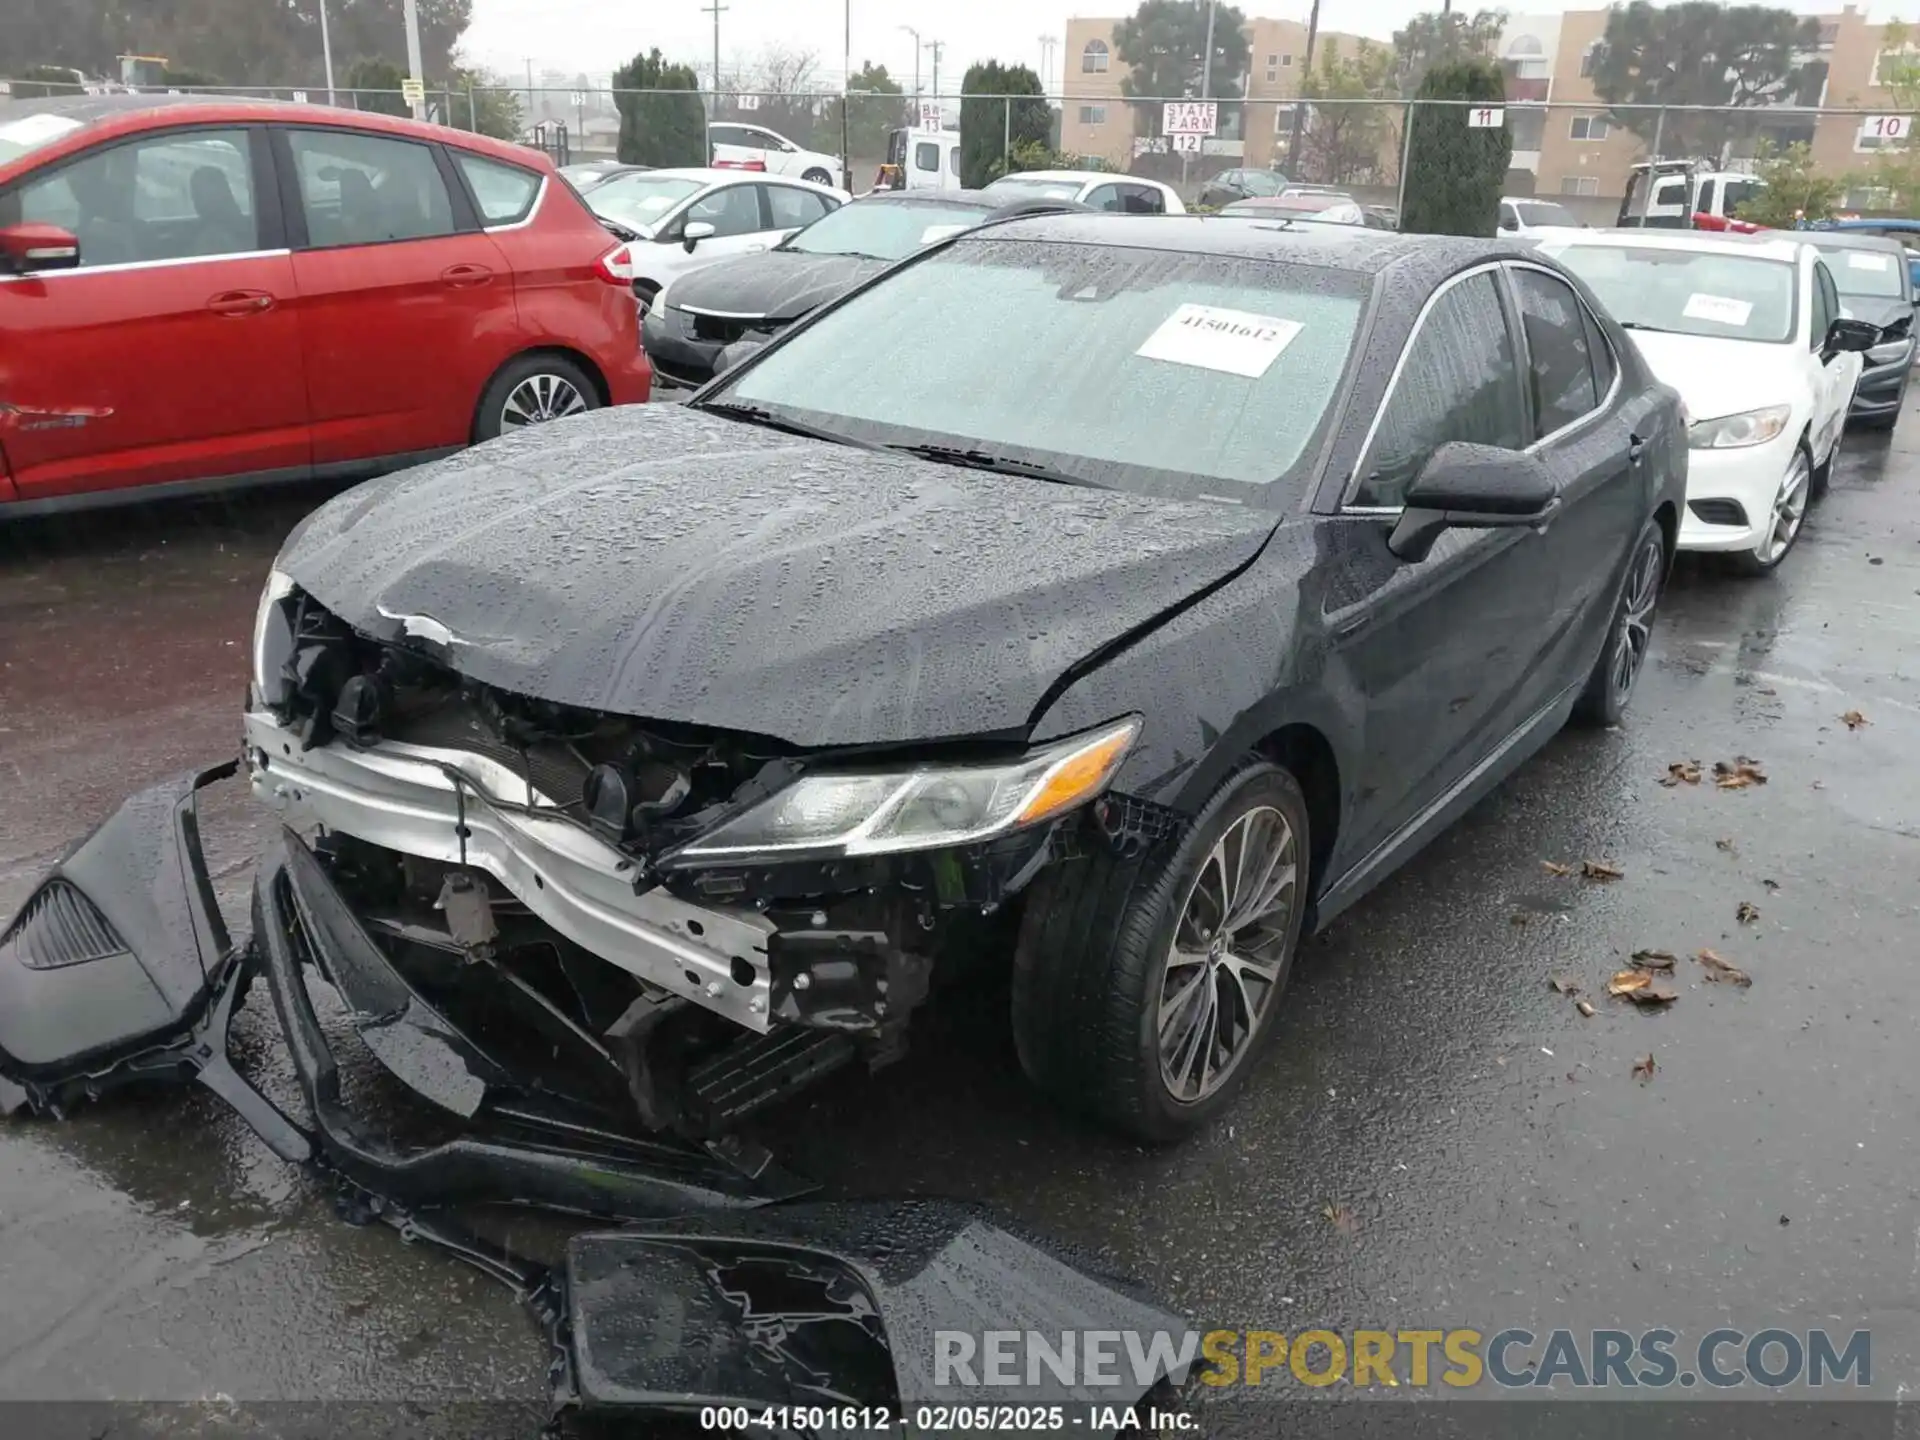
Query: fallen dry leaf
[1628,981]
[1585,1007]
[1554,867]
[1601,870]
[1726,845]
[1642,988]
[1746,912]
[1654,959]
[1644,1067]
[1853,720]
[1341,1218]
[1744,771]
[1771,885]
[1723,970]
[1682,772]
[1519,917]
[1564,985]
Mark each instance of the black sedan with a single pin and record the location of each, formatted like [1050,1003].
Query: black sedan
[734,306]
[1872,276]
[671,757]
[1231,185]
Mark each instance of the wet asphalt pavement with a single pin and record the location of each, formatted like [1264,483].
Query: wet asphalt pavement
[1499,1162]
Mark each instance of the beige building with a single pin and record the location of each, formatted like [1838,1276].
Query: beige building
[1098,120]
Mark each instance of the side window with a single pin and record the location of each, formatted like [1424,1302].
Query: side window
[367,189]
[926,156]
[1825,306]
[1562,368]
[1704,204]
[1105,197]
[1142,200]
[503,192]
[953,159]
[1604,365]
[1509,218]
[732,211]
[1461,381]
[173,197]
[727,135]
[793,208]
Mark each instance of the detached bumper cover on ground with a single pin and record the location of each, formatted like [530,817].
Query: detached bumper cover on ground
[119,969]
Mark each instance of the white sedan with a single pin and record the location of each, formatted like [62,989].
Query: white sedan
[679,220]
[738,147]
[1521,217]
[1093,188]
[1750,331]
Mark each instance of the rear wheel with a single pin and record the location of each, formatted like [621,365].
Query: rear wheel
[1610,686]
[1145,988]
[531,391]
[1789,512]
[817,176]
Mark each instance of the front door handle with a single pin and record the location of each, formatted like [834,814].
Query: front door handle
[461,277]
[1636,449]
[240,302]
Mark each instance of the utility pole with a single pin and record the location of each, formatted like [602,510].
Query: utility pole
[1206,59]
[414,67]
[846,104]
[936,46]
[916,58]
[326,51]
[1299,97]
[715,9]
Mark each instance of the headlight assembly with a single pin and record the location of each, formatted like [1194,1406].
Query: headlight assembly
[921,807]
[1735,432]
[278,587]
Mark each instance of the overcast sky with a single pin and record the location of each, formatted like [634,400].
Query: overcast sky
[596,35]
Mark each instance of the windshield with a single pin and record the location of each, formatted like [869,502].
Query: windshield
[1192,376]
[30,132]
[1689,292]
[1870,274]
[884,229]
[638,201]
[1021,185]
[1541,212]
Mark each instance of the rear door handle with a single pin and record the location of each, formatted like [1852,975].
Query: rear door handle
[240,302]
[1636,449]
[460,277]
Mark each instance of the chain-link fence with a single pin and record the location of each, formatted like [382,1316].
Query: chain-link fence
[1578,154]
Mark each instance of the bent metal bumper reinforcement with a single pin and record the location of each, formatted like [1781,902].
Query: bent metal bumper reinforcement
[407,798]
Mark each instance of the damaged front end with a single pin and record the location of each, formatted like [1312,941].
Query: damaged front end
[653,921]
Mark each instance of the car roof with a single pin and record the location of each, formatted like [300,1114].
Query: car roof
[970,198]
[1078,177]
[712,175]
[105,116]
[1850,240]
[1334,247]
[1854,226]
[1772,244]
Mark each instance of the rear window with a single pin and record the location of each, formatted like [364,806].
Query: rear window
[504,193]
[1870,273]
[21,133]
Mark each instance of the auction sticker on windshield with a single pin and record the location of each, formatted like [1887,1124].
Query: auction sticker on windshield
[1864,260]
[1719,309]
[1235,341]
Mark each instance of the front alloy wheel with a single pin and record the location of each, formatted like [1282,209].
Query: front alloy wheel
[1610,683]
[1145,986]
[1783,523]
[1223,968]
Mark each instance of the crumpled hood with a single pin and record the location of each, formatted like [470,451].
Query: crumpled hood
[1722,377]
[781,285]
[661,563]
[1876,310]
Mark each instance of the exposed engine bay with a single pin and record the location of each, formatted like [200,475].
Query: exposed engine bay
[656,920]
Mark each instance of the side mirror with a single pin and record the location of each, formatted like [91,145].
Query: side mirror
[1844,335]
[1472,487]
[33,245]
[694,233]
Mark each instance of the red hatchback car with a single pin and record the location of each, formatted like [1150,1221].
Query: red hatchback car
[203,293]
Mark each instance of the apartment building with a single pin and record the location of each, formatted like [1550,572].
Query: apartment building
[1098,120]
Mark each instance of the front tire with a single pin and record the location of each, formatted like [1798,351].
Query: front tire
[817,176]
[1610,686]
[1144,989]
[531,391]
[1788,519]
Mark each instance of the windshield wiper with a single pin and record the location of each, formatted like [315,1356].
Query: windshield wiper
[997,464]
[755,415]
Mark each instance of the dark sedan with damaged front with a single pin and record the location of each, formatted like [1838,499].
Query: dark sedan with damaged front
[653,764]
